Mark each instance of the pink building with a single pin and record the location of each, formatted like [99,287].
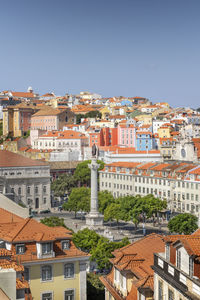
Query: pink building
[49,118]
[126,135]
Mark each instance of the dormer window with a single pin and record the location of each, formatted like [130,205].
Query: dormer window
[20,249]
[191,266]
[65,245]
[46,248]
[178,259]
[167,252]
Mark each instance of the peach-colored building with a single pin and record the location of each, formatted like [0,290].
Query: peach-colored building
[49,118]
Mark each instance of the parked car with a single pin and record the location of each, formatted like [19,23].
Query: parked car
[45,211]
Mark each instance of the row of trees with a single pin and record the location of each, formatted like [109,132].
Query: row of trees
[82,176]
[127,208]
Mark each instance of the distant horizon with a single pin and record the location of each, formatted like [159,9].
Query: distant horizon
[148,48]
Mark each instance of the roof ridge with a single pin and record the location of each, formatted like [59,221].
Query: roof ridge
[23,225]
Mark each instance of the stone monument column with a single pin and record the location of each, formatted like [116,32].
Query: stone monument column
[94,218]
[94,206]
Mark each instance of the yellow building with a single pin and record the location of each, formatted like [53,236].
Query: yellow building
[105,112]
[17,119]
[164,131]
[53,266]
[146,119]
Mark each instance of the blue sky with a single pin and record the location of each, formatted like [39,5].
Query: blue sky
[148,48]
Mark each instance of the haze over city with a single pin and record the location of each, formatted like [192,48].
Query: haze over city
[130,48]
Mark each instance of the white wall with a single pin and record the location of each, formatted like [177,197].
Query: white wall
[12,207]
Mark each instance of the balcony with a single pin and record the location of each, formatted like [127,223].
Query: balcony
[189,286]
[50,254]
[116,293]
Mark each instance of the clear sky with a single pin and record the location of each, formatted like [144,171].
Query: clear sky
[147,48]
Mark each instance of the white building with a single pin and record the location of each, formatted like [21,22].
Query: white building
[178,183]
[25,180]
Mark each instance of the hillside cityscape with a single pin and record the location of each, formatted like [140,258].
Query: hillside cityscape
[99,197]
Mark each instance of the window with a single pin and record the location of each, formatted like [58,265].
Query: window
[47,296]
[26,273]
[69,295]
[178,259]
[46,248]
[167,252]
[65,245]
[170,295]
[191,269]
[19,191]
[69,270]
[46,273]
[28,189]
[36,189]
[20,249]
[160,290]
[44,189]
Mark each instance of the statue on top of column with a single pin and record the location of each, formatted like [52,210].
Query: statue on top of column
[95,151]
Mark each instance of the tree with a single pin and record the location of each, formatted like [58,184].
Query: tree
[86,239]
[105,199]
[95,289]
[79,117]
[93,114]
[183,223]
[82,173]
[112,212]
[103,251]
[79,199]
[137,208]
[53,222]
[63,184]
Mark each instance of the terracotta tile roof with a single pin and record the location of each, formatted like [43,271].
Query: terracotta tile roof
[66,134]
[136,258]
[10,159]
[5,252]
[21,284]
[9,264]
[160,167]
[31,230]
[23,94]
[47,111]
[8,217]
[123,164]
[146,166]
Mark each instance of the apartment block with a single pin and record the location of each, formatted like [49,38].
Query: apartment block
[176,182]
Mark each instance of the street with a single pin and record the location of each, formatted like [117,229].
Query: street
[119,231]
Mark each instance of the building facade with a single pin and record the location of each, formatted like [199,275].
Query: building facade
[177,269]
[53,266]
[25,180]
[178,183]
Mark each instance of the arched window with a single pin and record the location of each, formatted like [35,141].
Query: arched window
[69,270]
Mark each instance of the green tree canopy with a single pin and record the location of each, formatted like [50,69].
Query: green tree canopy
[136,208]
[183,223]
[103,251]
[86,239]
[63,184]
[99,247]
[82,173]
[112,212]
[79,199]
[53,222]
[105,199]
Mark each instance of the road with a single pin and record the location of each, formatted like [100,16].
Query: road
[123,229]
